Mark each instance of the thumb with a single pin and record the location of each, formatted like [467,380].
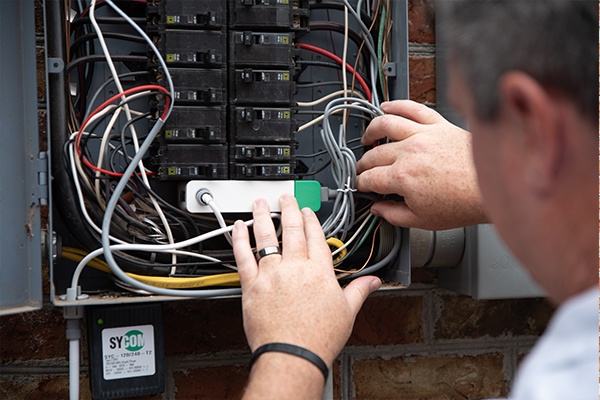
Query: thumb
[359,289]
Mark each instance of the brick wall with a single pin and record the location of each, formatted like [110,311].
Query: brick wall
[412,344]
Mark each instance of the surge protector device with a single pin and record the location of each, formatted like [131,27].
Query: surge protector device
[238,196]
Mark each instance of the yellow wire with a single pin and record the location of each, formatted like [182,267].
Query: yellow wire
[337,243]
[228,279]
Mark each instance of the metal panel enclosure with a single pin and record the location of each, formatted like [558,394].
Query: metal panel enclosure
[20,162]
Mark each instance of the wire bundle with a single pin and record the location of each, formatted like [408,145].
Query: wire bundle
[351,230]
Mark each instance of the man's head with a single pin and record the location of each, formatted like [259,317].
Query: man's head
[554,41]
[523,73]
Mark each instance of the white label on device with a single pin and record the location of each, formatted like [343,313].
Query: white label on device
[236,196]
[128,352]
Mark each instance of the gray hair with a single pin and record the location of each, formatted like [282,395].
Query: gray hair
[554,41]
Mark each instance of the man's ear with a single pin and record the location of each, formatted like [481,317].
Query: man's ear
[533,114]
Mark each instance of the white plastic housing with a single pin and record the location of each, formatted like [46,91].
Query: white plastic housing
[234,196]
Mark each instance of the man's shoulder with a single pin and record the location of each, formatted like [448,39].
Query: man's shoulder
[565,360]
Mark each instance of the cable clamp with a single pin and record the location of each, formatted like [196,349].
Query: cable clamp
[346,189]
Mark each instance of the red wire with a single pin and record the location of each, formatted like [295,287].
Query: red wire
[339,61]
[136,89]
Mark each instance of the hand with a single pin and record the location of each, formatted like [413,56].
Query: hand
[294,297]
[428,161]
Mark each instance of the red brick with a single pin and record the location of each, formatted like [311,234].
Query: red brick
[337,381]
[462,317]
[421,21]
[41,71]
[35,387]
[33,335]
[43,142]
[422,78]
[203,326]
[38,6]
[389,319]
[431,378]
[226,382]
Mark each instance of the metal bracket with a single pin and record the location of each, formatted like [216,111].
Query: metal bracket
[42,168]
[55,65]
[389,69]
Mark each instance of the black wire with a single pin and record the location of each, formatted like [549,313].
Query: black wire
[109,81]
[319,64]
[124,129]
[99,58]
[339,28]
[321,169]
[112,35]
[106,20]
[303,85]
[325,151]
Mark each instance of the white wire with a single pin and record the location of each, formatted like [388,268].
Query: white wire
[164,248]
[82,205]
[353,237]
[213,206]
[320,118]
[134,138]
[328,97]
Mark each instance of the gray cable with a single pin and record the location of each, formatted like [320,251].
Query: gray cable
[343,166]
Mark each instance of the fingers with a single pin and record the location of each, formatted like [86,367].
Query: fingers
[403,119]
[376,157]
[264,231]
[382,180]
[396,213]
[391,127]
[358,290]
[292,222]
[317,247]
[244,257]
[412,110]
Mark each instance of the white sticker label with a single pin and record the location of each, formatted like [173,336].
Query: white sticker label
[128,352]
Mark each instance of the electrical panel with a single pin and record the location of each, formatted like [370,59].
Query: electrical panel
[244,99]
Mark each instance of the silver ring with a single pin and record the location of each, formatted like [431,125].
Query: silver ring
[267,251]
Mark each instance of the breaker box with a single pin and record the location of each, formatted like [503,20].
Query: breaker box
[247,87]
[246,95]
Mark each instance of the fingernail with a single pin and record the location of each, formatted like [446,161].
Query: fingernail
[286,196]
[307,212]
[260,203]
[375,284]
[375,212]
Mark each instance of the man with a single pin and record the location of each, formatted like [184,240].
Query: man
[523,74]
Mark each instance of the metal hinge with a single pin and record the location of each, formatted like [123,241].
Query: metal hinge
[42,187]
